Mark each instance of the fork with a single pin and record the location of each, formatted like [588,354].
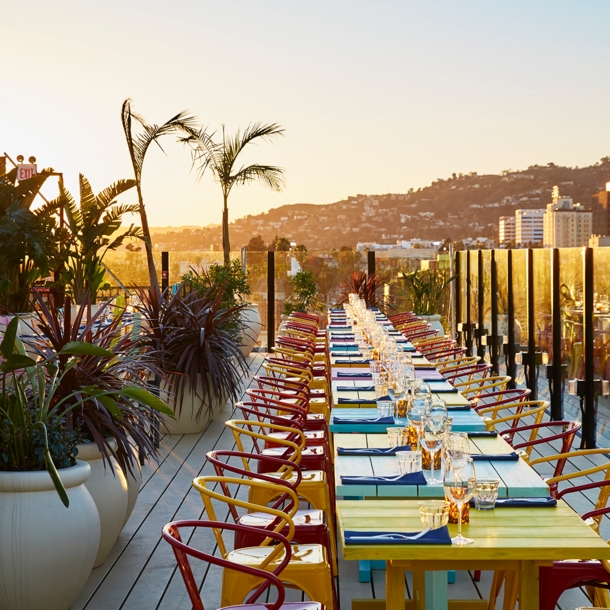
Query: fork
[395,536]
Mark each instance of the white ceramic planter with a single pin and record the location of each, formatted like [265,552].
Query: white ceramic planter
[134,481]
[110,494]
[186,421]
[435,323]
[251,319]
[46,550]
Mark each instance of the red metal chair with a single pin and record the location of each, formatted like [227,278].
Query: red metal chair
[182,552]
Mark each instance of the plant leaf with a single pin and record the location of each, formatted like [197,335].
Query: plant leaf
[59,486]
[8,342]
[111,405]
[80,348]
[147,398]
[15,362]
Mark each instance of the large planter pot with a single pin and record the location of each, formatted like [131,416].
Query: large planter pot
[134,482]
[435,323]
[110,493]
[503,327]
[186,421]
[46,550]
[251,320]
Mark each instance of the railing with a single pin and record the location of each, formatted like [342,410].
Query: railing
[542,310]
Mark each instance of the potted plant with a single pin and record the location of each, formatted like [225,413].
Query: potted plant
[192,338]
[116,418]
[366,286]
[303,296]
[95,225]
[426,292]
[230,281]
[29,240]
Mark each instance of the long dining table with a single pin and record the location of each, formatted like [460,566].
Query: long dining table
[518,545]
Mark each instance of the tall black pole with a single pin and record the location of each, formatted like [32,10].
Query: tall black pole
[588,424]
[557,393]
[371,262]
[494,345]
[458,291]
[531,327]
[164,271]
[270,300]
[481,330]
[468,329]
[511,369]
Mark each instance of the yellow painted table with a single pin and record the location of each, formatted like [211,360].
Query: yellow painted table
[515,539]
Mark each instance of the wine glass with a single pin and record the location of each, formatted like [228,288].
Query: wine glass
[437,414]
[397,384]
[458,449]
[459,485]
[431,441]
[417,413]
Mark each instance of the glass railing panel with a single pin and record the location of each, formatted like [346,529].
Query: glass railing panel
[571,295]
[474,285]
[542,300]
[519,282]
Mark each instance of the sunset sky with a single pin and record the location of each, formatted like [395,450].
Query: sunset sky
[376,96]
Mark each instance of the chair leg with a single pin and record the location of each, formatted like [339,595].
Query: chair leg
[477,575]
[511,590]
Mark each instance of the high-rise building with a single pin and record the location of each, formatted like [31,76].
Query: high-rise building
[566,224]
[506,230]
[529,227]
[600,207]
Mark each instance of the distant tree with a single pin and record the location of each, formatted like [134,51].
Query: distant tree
[221,159]
[256,244]
[300,248]
[133,248]
[281,244]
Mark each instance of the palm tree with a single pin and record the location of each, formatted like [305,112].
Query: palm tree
[138,145]
[221,159]
[94,225]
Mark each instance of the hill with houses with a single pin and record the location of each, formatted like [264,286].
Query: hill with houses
[457,207]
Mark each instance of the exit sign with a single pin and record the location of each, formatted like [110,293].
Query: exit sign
[25,172]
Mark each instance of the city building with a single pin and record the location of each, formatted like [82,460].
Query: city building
[600,209]
[566,224]
[529,227]
[506,230]
[599,241]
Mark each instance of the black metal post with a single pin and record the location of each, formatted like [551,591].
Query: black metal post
[481,330]
[555,376]
[371,262]
[511,368]
[532,382]
[588,424]
[270,300]
[494,315]
[458,293]
[164,271]
[468,328]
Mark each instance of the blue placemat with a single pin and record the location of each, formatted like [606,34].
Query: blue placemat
[352,361]
[411,478]
[437,536]
[495,457]
[524,502]
[489,433]
[355,375]
[371,420]
[371,450]
[356,401]
[360,388]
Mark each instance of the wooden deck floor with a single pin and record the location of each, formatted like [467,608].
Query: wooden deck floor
[140,572]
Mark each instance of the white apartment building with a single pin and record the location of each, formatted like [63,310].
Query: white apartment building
[529,226]
[566,224]
[506,230]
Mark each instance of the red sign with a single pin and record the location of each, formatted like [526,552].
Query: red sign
[164,275]
[25,172]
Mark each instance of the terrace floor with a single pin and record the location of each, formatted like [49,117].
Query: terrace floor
[140,572]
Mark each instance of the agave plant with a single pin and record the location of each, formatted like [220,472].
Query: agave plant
[426,290]
[192,338]
[104,394]
[366,286]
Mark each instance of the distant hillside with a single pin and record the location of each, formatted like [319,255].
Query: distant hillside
[457,207]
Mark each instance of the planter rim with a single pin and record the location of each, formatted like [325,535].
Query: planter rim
[40,480]
[90,451]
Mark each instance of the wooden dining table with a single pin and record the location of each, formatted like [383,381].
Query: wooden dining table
[512,539]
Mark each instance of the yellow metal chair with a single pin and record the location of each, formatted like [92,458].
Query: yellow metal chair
[512,414]
[315,484]
[475,387]
[309,567]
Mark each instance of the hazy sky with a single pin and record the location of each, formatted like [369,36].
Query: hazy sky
[376,96]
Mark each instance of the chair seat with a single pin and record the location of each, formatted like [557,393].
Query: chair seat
[314,437]
[308,476]
[301,553]
[307,451]
[303,517]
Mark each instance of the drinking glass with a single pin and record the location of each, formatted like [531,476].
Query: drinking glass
[459,485]
[417,413]
[397,384]
[434,513]
[486,494]
[458,449]
[437,415]
[431,441]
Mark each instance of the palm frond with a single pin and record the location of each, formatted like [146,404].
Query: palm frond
[87,197]
[268,175]
[239,141]
[110,193]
